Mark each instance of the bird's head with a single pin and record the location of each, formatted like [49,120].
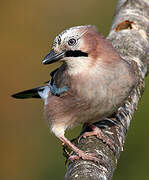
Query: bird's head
[79,47]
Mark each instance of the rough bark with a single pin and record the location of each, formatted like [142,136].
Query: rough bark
[129,35]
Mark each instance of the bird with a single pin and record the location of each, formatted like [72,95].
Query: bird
[92,82]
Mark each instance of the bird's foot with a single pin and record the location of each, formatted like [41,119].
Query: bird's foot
[85,156]
[58,91]
[79,153]
[99,134]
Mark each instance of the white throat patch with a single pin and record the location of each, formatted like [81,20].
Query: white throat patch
[77,64]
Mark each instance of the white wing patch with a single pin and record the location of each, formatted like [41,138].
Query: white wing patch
[44,93]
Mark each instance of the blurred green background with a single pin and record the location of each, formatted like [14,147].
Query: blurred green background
[28,150]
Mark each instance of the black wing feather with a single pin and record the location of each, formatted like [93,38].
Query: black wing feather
[31,93]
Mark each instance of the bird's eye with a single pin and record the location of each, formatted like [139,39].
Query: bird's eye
[72,42]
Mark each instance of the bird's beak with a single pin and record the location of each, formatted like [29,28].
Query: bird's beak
[53,57]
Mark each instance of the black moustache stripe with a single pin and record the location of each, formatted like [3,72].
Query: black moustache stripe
[76,53]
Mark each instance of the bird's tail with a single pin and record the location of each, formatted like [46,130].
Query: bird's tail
[31,93]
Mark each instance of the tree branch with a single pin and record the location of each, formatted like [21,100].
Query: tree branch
[129,36]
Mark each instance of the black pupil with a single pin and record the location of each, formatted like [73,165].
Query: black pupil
[72,42]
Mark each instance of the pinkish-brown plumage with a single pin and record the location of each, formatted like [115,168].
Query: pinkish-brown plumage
[98,84]
[97,79]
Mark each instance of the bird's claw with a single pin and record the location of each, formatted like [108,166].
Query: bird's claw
[99,134]
[85,156]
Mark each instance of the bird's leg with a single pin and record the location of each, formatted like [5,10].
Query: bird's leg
[58,91]
[80,154]
[99,134]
